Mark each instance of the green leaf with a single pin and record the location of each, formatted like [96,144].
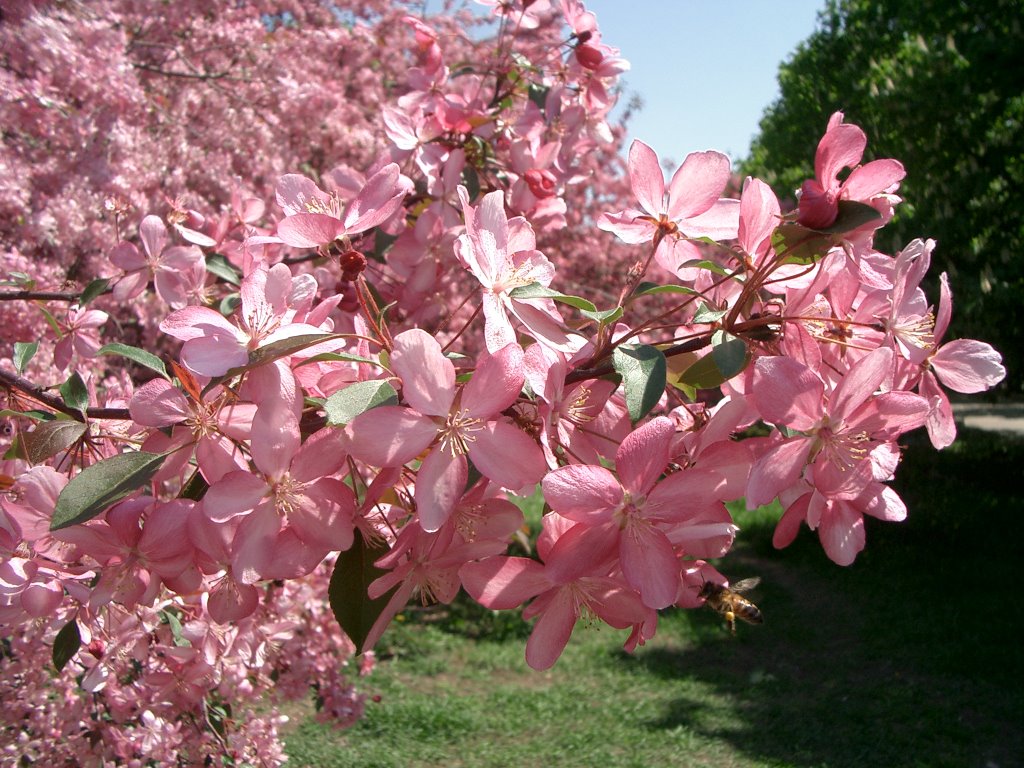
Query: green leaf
[229,304]
[649,289]
[538,291]
[94,289]
[50,438]
[705,314]
[218,265]
[98,486]
[75,393]
[66,644]
[353,573]
[24,351]
[136,355]
[643,371]
[711,266]
[604,317]
[177,631]
[471,181]
[275,351]
[36,415]
[719,366]
[538,95]
[51,320]
[195,488]
[382,241]
[345,404]
[730,353]
[336,357]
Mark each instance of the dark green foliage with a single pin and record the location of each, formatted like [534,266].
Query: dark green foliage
[939,86]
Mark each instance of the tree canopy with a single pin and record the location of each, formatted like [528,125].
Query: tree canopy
[939,85]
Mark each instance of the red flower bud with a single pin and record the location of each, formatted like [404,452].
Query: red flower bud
[352,264]
[588,56]
[541,183]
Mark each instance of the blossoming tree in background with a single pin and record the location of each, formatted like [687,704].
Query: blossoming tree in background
[298,300]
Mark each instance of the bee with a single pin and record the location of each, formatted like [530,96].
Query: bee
[729,602]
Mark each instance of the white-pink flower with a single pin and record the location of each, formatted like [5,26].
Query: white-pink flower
[502,254]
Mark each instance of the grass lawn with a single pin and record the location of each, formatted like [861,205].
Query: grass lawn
[910,657]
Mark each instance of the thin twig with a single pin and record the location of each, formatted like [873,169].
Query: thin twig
[26,387]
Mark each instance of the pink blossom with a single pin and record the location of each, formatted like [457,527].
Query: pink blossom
[836,433]
[570,583]
[165,266]
[841,147]
[501,253]
[640,514]
[315,218]
[689,208]
[214,345]
[296,510]
[456,424]
[81,335]
[963,365]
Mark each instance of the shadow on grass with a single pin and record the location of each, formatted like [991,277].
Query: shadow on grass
[910,657]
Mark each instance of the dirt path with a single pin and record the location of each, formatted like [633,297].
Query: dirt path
[1001,417]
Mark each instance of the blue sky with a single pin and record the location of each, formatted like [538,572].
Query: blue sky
[706,69]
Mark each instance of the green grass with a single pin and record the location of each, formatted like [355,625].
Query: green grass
[910,657]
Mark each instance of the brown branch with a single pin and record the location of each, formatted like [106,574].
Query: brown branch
[39,296]
[14,381]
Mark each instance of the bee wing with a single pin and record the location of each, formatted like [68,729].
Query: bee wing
[745,585]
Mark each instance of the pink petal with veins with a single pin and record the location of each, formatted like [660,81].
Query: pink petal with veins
[439,486]
[968,366]
[506,455]
[646,178]
[501,583]
[233,495]
[697,184]
[496,383]
[310,230]
[787,392]
[583,493]
[644,454]
[428,377]
[158,403]
[389,436]
[650,565]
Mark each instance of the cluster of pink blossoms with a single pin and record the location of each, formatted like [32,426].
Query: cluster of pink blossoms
[369,372]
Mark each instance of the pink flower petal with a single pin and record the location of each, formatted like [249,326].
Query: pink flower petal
[439,486]
[644,454]
[158,403]
[389,436]
[777,470]
[233,495]
[501,583]
[496,383]
[841,147]
[968,366]
[309,230]
[153,233]
[552,631]
[650,565]
[697,184]
[428,377]
[786,392]
[647,178]
[378,200]
[583,493]
[507,455]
